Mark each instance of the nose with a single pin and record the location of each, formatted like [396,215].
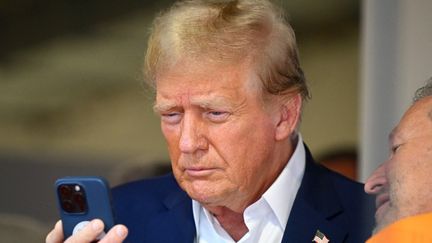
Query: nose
[377,181]
[192,137]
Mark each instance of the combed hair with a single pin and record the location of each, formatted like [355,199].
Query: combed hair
[424,91]
[227,32]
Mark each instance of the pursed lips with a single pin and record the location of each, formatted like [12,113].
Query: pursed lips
[382,201]
[195,171]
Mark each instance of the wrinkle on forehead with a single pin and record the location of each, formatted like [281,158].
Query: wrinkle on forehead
[185,68]
[416,121]
[210,101]
[224,98]
[206,87]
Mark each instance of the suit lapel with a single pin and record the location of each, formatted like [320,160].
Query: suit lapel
[304,222]
[316,207]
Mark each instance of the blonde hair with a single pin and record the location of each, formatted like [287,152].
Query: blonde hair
[227,32]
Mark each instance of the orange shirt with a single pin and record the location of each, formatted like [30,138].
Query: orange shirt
[416,229]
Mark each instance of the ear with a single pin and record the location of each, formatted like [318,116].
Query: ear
[289,117]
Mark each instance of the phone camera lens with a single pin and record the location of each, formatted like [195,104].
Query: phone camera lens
[80,202]
[68,206]
[65,190]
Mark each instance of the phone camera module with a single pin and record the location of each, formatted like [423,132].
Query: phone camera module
[72,198]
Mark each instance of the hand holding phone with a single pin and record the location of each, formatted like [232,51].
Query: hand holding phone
[88,234]
[82,199]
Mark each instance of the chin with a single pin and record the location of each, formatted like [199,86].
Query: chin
[384,221]
[205,198]
[199,191]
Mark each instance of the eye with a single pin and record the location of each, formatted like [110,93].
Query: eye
[171,117]
[217,116]
[395,148]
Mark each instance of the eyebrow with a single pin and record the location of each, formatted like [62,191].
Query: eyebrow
[164,106]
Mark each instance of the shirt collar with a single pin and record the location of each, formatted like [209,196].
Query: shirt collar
[281,194]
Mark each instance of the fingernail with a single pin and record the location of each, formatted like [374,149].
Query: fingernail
[97,225]
[121,231]
[58,224]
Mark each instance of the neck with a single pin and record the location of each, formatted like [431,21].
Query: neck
[232,222]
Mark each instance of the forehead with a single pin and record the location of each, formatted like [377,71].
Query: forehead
[417,120]
[205,81]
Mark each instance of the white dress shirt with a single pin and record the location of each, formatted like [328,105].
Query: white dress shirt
[266,218]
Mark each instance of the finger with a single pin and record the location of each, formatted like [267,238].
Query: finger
[88,234]
[117,234]
[56,235]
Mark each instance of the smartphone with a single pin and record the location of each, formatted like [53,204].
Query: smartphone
[81,199]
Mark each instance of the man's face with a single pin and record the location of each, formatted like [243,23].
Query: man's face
[403,183]
[220,136]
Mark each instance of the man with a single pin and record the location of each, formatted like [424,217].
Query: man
[230,90]
[403,183]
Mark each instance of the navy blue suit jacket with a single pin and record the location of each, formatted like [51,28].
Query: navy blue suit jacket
[158,210]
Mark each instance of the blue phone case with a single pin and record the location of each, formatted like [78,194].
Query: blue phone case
[98,200]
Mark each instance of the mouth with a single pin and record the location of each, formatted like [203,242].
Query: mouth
[382,203]
[199,171]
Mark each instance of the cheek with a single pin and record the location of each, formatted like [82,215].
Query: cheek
[236,138]
[404,183]
[414,182]
[244,147]
[171,135]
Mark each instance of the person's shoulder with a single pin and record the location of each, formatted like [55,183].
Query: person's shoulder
[341,182]
[135,203]
[144,205]
[157,186]
[411,229]
[350,193]
[358,206]
[145,194]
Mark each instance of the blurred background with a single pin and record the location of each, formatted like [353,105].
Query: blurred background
[72,100]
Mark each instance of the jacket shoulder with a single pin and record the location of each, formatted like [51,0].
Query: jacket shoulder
[359,207]
[147,206]
[350,192]
[143,198]
[145,189]
[328,191]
